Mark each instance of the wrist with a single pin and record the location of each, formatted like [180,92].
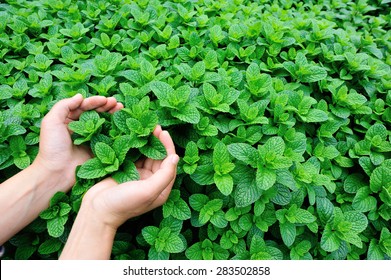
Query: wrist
[90,214]
[90,237]
[92,207]
[53,178]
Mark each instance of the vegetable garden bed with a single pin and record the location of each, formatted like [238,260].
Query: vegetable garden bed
[280,111]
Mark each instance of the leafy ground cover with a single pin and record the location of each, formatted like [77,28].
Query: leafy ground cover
[280,111]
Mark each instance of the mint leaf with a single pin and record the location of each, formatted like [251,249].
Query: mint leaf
[244,152]
[56,226]
[288,233]
[363,202]
[224,183]
[315,115]
[329,241]
[91,169]
[380,177]
[50,246]
[174,244]
[265,178]
[154,149]
[104,153]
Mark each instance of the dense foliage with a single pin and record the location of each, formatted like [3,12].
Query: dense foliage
[280,111]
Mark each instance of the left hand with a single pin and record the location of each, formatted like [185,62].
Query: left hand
[57,154]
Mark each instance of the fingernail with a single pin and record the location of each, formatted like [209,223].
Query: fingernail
[174,159]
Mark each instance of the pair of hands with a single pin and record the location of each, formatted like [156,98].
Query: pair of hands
[113,204]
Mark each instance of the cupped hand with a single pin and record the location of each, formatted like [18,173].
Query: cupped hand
[57,153]
[114,203]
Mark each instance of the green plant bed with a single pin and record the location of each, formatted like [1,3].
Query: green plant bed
[279,110]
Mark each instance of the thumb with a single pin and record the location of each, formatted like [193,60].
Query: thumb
[61,109]
[164,177]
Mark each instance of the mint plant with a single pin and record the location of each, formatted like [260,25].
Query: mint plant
[57,214]
[279,110]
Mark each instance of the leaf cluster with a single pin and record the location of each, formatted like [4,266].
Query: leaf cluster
[280,111]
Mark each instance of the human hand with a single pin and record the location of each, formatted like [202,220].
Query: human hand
[57,155]
[112,204]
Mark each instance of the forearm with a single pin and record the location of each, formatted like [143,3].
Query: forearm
[23,197]
[90,239]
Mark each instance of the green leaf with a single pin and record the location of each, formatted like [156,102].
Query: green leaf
[153,254]
[191,153]
[246,193]
[316,115]
[325,209]
[224,183]
[181,210]
[220,157]
[161,90]
[352,238]
[377,130]
[174,244]
[358,220]
[121,146]
[65,208]
[197,201]
[374,251]
[56,226]
[22,162]
[244,152]
[300,251]
[265,178]
[363,202]
[288,233]
[104,153]
[380,177]
[25,252]
[50,246]
[313,74]
[187,113]
[353,183]
[154,149]
[203,175]
[127,173]
[198,70]
[246,222]
[91,169]
[304,217]
[218,219]
[385,241]
[329,241]
[150,233]
[49,213]
[275,144]
[5,92]
[194,252]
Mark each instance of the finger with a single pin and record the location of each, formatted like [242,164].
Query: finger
[111,102]
[144,173]
[118,107]
[163,177]
[140,163]
[93,102]
[61,110]
[157,131]
[151,164]
[89,103]
[98,103]
[160,199]
[167,142]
